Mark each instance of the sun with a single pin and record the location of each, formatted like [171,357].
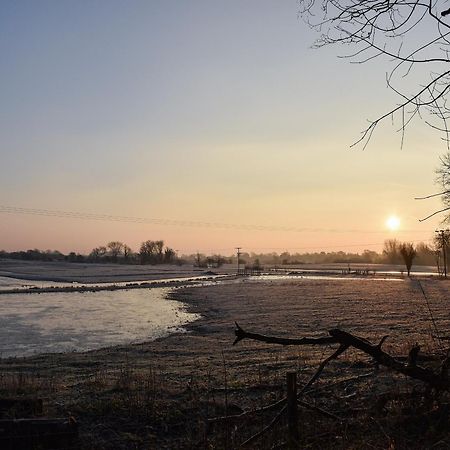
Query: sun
[393,223]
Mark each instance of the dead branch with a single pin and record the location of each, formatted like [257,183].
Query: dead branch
[428,376]
[241,334]
[342,348]
[383,358]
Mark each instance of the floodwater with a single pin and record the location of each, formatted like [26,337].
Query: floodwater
[80,321]
[7,283]
[61,322]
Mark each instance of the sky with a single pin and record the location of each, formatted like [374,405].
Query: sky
[198,112]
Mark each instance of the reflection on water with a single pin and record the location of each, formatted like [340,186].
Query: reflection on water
[15,283]
[7,283]
[59,322]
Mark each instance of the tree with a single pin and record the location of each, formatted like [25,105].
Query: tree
[426,255]
[97,253]
[115,250]
[147,252]
[412,35]
[443,179]
[126,252]
[169,255]
[153,252]
[408,253]
[442,243]
[159,247]
[391,251]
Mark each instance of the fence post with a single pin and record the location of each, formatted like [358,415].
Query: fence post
[292,411]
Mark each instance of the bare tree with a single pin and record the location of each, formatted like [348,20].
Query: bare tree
[115,250]
[391,251]
[408,253]
[414,36]
[127,251]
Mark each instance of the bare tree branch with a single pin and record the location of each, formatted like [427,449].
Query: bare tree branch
[347,340]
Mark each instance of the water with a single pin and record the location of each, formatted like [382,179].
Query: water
[60,322]
[7,283]
[15,283]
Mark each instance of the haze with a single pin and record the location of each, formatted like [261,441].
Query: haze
[200,111]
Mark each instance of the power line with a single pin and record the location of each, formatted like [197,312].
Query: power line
[316,248]
[179,223]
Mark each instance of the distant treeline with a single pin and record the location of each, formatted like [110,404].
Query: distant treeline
[156,252]
[150,252]
[425,255]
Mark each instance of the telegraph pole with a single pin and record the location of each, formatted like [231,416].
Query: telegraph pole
[443,240]
[238,249]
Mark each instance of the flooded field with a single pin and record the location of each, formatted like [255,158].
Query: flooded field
[60,322]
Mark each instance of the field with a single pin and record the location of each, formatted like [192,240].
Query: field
[160,394]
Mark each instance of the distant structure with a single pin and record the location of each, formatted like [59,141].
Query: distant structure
[238,249]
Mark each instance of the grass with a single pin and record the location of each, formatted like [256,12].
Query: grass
[160,395]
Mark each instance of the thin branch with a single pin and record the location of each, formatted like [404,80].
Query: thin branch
[274,421]
[432,195]
[434,214]
[319,410]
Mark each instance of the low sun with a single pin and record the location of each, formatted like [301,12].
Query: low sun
[393,223]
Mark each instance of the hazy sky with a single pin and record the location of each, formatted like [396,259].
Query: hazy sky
[200,111]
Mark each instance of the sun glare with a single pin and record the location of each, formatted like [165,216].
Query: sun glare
[393,223]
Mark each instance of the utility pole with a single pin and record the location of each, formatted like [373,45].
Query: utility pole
[238,256]
[443,240]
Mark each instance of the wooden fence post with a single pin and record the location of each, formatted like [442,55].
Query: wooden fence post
[292,411]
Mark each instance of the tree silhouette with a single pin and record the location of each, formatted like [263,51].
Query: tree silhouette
[391,251]
[115,250]
[408,253]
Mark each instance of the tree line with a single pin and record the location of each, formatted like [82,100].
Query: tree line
[149,252]
[156,252]
[390,254]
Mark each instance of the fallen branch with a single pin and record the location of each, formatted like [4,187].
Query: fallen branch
[241,334]
[438,381]
[383,358]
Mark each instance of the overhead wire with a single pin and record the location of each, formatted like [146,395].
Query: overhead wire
[177,222]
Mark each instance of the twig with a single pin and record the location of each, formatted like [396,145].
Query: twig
[274,421]
[237,417]
[319,410]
